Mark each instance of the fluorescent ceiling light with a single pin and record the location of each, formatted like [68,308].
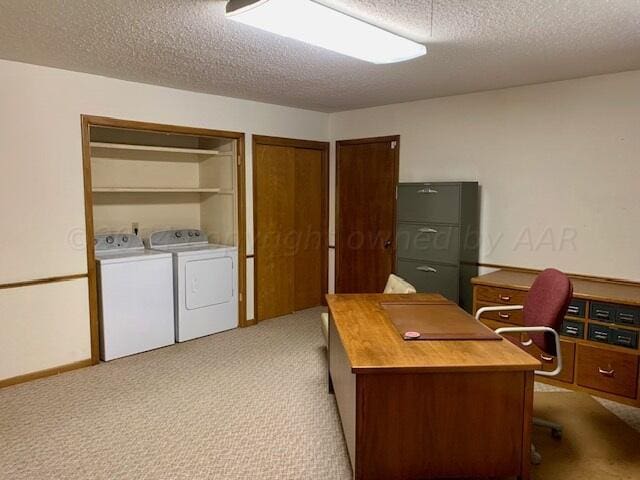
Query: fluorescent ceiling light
[317,24]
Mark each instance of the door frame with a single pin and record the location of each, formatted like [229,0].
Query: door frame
[88,121]
[396,174]
[296,143]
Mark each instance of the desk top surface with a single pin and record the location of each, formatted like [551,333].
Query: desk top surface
[373,344]
[591,289]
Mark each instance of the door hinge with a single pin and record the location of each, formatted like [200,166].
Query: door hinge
[239,160]
[240,297]
[394,144]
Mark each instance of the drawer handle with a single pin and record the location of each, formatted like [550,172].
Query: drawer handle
[602,314]
[573,309]
[546,358]
[427,190]
[427,230]
[504,315]
[626,316]
[606,373]
[571,330]
[427,269]
[504,298]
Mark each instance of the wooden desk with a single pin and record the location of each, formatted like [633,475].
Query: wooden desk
[602,368]
[427,409]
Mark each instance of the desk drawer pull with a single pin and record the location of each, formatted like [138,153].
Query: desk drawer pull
[427,269]
[606,373]
[546,358]
[427,190]
[506,316]
[504,298]
[427,230]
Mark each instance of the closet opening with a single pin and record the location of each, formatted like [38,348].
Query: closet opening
[141,178]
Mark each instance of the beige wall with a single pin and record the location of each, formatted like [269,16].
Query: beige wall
[41,192]
[555,161]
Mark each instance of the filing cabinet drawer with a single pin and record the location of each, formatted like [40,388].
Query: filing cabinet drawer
[599,333]
[429,203]
[514,317]
[431,277]
[607,371]
[623,338]
[572,329]
[577,308]
[603,312]
[438,243]
[500,296]
[627,315]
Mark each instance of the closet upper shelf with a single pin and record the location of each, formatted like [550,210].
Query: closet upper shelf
[158,190]
[152,148]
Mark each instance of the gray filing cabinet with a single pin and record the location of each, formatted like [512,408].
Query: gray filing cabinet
[437,237]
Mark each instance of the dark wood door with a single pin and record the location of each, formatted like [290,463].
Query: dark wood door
[290,225]
[367,175]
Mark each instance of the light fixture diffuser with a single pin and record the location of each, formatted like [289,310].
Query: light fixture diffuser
[317,24]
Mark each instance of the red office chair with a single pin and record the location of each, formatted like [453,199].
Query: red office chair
[546,305]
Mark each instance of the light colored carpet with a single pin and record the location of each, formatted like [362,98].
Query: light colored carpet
[245,404]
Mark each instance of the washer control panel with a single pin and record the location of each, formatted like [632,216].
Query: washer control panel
[177,237]
[117,241]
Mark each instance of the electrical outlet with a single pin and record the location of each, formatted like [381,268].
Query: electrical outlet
[135,228]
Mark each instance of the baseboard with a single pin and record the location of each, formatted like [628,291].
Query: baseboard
[250,323]
[45,373]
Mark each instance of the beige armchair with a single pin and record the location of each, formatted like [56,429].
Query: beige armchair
[395,284]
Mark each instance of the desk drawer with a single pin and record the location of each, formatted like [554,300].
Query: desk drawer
[513,317]
[568,350]
[438,243]
[567,347]
[431,277]
[572,328]
[577,308]
[429,203]
[607,371]
[628,315]
[500,296]
[603,312]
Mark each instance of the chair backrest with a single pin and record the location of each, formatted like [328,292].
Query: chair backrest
[546,305]
[396,284]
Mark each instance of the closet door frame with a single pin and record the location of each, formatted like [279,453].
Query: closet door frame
[323,147]
[88,121]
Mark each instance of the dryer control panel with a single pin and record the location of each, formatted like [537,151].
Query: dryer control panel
[177,237]
[117,241]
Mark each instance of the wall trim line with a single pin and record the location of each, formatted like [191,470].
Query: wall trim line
[42,281]
[49,372]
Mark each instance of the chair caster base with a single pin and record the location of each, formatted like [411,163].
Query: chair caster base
[536,458]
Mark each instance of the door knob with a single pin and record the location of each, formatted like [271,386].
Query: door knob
[387,244]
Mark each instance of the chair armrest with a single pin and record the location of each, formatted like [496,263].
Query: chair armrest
[556,337]
[504,308]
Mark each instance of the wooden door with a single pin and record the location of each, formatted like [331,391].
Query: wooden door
[290,225]
[310,251]
[274,225]
[366,175]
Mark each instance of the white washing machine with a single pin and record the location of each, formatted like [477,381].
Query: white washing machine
[135,289]
[205,282]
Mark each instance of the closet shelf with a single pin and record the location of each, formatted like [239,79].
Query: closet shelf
[154,190]
[151,148]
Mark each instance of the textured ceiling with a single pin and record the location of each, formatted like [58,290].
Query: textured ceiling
[473,45]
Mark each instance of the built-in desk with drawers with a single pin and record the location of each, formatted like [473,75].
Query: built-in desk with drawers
[599,335]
